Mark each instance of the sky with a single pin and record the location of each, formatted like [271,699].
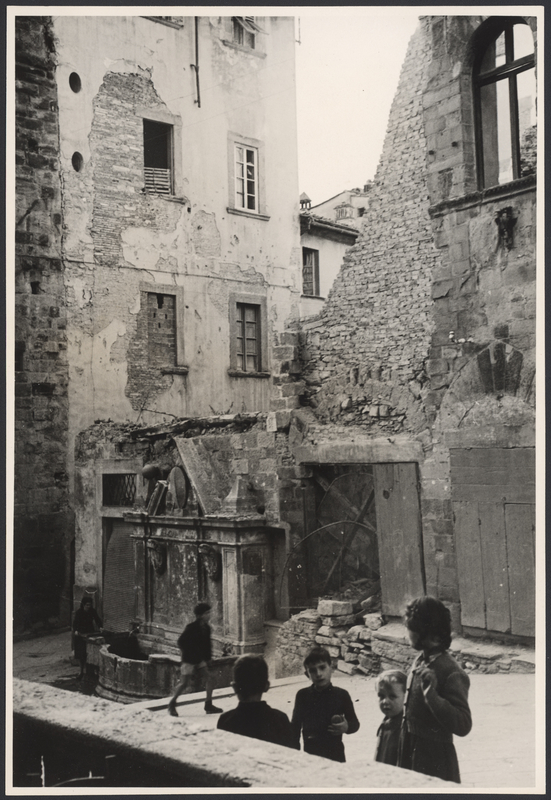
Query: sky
[347,64]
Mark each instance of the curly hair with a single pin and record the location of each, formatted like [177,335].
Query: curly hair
[429,617]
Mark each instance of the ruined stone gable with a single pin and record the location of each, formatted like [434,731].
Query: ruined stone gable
[373,335]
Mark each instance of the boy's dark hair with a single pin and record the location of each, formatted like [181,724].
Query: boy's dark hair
[390,676]
[428,616]
[316,655]
[250,675]
[86,599]
[200,609]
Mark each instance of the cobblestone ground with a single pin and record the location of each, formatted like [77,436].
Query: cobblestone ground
[499,753]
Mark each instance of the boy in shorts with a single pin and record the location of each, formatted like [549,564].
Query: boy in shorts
[253,716]
[196,649]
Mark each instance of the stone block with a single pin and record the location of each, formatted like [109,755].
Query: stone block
[354,633]
[334,608]
[373,621]
[338,622]
[345,666]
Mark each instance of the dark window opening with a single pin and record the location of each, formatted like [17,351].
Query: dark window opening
[157,145]
[310,272]
[118,489]
[35,287]
[505,101]
[244,31]
[248,338]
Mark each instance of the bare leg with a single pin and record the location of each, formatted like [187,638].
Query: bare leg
[182,686]
[209,686]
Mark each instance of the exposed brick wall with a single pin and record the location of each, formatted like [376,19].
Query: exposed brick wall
[42,527]
[364,355]
[161,328]
[116,141]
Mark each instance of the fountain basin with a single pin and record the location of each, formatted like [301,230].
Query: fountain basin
[147,676]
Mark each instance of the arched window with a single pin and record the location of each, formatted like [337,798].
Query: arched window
[505,103]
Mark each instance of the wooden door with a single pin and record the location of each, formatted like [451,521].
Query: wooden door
[399,534]
[119,579]
[494,523]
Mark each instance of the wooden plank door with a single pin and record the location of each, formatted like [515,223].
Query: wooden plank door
[119,579]
[520,530]
[469,563]
[399,535]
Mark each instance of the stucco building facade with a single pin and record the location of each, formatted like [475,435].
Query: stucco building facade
[157,252]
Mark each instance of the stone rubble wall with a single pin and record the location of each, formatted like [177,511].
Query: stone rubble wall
[362,643]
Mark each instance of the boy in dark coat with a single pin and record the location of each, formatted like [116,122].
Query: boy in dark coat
[253,716]
[196,649]
[322,712]
[391,690]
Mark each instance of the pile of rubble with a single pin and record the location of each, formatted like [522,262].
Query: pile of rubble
[360,642]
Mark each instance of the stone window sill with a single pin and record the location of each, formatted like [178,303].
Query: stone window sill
[182,370]
[250,214]
[242,49]
[237,373]
[484,196]
[313,296]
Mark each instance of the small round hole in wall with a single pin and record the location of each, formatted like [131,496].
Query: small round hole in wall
[77,162]
[75,82]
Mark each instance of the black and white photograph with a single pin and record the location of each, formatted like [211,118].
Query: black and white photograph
[275,379]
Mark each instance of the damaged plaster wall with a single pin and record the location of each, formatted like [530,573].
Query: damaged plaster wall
[125,249]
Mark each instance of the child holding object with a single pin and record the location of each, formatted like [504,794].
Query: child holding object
[322,712]
[436,704]
[391,689]
[253,716]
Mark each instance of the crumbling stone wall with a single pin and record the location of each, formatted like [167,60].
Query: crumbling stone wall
[427,339]
[365,353]
[42,519]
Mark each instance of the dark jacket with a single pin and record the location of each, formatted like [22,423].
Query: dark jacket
[388,737]
[195,643]
[259,721]
[312,714]
[445,710]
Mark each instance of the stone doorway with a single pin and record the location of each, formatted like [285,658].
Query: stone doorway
[363,532]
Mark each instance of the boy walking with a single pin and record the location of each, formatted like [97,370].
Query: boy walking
[253,716]
[322,712]
[196,648]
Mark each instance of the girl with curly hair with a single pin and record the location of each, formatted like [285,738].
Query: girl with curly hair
[436,704]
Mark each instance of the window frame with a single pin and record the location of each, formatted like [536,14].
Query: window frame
[505,72]
[177,178]
[169,157]
[180,367]
[260,304]
[315,272]
[234,141]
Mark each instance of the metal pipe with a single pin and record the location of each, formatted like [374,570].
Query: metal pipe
[196,65]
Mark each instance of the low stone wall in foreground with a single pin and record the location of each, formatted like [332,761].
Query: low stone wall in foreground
[76,733]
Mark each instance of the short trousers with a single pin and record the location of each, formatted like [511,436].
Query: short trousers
[199,671]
